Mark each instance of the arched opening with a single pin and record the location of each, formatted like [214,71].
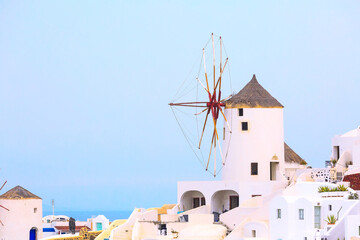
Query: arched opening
[192,199]
[33,233]
[224,200]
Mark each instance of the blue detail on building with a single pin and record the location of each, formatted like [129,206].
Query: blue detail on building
[48,230]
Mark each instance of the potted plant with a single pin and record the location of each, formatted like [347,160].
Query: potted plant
[174,233]
[331,220]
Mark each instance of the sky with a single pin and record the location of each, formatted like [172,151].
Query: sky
[85,87]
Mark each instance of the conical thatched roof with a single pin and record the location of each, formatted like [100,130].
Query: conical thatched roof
[18,192]
[291,156]
[253,95]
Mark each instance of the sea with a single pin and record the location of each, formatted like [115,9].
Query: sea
[84,215]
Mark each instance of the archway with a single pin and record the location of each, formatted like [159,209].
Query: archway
[224,200]
[192,199]
[33,233]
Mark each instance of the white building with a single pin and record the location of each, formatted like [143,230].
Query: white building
[259,163]
[346,150]
[59,225]
[23,221]
[300,212]
[347,143]
[266,190]
[99,223]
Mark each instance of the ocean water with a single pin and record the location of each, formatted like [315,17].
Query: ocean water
[84,215]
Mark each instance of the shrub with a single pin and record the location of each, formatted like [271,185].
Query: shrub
[353,196]
[323,189]
[340,188]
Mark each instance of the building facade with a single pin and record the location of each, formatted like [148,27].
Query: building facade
[23,220]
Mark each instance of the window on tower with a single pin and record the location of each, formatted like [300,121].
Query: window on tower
[244,126]
[241,112]
[254,168]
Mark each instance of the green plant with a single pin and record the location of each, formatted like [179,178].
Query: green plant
[323,189]
[333,161]
[353,196]
[342,188]
[331,219]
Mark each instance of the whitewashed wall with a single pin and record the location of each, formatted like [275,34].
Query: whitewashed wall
[352,226]
[263,140]
[21,218]
[244,189]
[348,142]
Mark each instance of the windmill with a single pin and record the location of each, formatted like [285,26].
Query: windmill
[208,110]
[2,205]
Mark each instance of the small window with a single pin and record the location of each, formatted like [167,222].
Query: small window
[301,214]
[254,168]
[35,210]
[278,213]
[254,233]
[256,195]
[244,126]
[330,208]
[241,112]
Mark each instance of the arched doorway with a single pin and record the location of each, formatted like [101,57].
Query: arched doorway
[224,200]
[192,199]
[33,234]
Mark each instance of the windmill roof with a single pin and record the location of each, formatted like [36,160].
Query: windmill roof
[253,95]
[291,156]
[18,192]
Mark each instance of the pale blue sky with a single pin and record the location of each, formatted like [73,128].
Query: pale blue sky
[84,87]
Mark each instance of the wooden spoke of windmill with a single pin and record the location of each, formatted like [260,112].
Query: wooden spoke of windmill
[213,106]
[2,205]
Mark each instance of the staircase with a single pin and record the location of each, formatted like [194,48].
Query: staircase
[228,231]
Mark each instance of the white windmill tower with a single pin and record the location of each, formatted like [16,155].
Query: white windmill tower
[256,146]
